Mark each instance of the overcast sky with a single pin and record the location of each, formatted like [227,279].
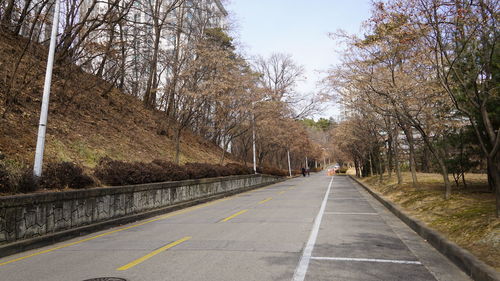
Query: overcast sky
[299,28]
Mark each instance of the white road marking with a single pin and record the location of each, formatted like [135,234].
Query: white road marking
[341,213]
[347,198]
[301,270]
[365,260]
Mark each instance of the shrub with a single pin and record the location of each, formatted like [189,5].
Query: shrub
[114,172]
[275,172]
[5,180]
[27,182]
[65,174]
[173,171]
[238,169]
[202,170]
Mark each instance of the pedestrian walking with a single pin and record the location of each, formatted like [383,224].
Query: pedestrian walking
[303,171]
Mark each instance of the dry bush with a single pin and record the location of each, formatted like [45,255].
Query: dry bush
[5,180]
[173,171]
[65,174]
[27,182]
[238,169]
[274,172]
[202,170]
[113,172]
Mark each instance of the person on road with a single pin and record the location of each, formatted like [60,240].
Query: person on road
[303,171]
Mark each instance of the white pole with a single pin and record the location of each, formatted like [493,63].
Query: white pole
[289,166]
[40,143]
[307,164]
[254,151]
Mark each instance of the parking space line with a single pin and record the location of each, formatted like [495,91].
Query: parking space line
[365,260]
[234,215]
[153,253]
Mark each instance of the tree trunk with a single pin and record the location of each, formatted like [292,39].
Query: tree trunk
[396,158]
[440,160]
[22,17]
[381,169]
[177,138]
[356,168]
[444,173]
[495,169]
[7,15]
[371,164]
[150,94]
[389,157]
[411,145]
[102,65]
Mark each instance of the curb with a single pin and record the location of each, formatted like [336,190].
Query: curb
[468,263]
[33,243]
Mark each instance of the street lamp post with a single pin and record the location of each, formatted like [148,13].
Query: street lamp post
[40,143]
[253,141]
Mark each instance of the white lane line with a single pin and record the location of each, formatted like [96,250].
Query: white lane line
[301,270]
[341,213]
[346,198]
[365,260]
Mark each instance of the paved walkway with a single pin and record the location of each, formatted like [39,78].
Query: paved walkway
[314,228]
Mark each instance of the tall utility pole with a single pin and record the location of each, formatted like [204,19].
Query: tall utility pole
[40,143]
[253,144]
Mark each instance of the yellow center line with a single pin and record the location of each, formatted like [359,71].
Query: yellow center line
[234,215]
[281,192]
[118,230]
[129,227]
[292,187]
[153,253]
[265,200]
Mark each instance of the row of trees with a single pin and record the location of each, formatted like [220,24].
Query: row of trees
[424,79]
[177,57]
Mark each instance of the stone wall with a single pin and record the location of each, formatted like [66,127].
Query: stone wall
[33,215]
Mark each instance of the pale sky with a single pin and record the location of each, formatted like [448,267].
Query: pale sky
[299,28]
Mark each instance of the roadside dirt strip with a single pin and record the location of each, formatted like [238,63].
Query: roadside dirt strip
[312,228]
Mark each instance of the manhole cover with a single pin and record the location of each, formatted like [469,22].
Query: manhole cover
[106,279]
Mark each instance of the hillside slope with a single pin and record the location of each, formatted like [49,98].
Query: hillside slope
[88,119]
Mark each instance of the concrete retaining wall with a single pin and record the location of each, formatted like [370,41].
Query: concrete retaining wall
[37,215]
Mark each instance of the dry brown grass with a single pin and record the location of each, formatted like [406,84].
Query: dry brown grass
[468,218]
[86,121]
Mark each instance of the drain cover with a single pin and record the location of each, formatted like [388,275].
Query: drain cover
[106,279]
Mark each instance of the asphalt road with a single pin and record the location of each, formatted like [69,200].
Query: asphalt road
[314,228]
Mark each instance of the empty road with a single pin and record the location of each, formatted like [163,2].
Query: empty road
[314,228]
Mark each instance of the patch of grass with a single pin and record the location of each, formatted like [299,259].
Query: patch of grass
[89,156]
[467,218]
[59,149]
